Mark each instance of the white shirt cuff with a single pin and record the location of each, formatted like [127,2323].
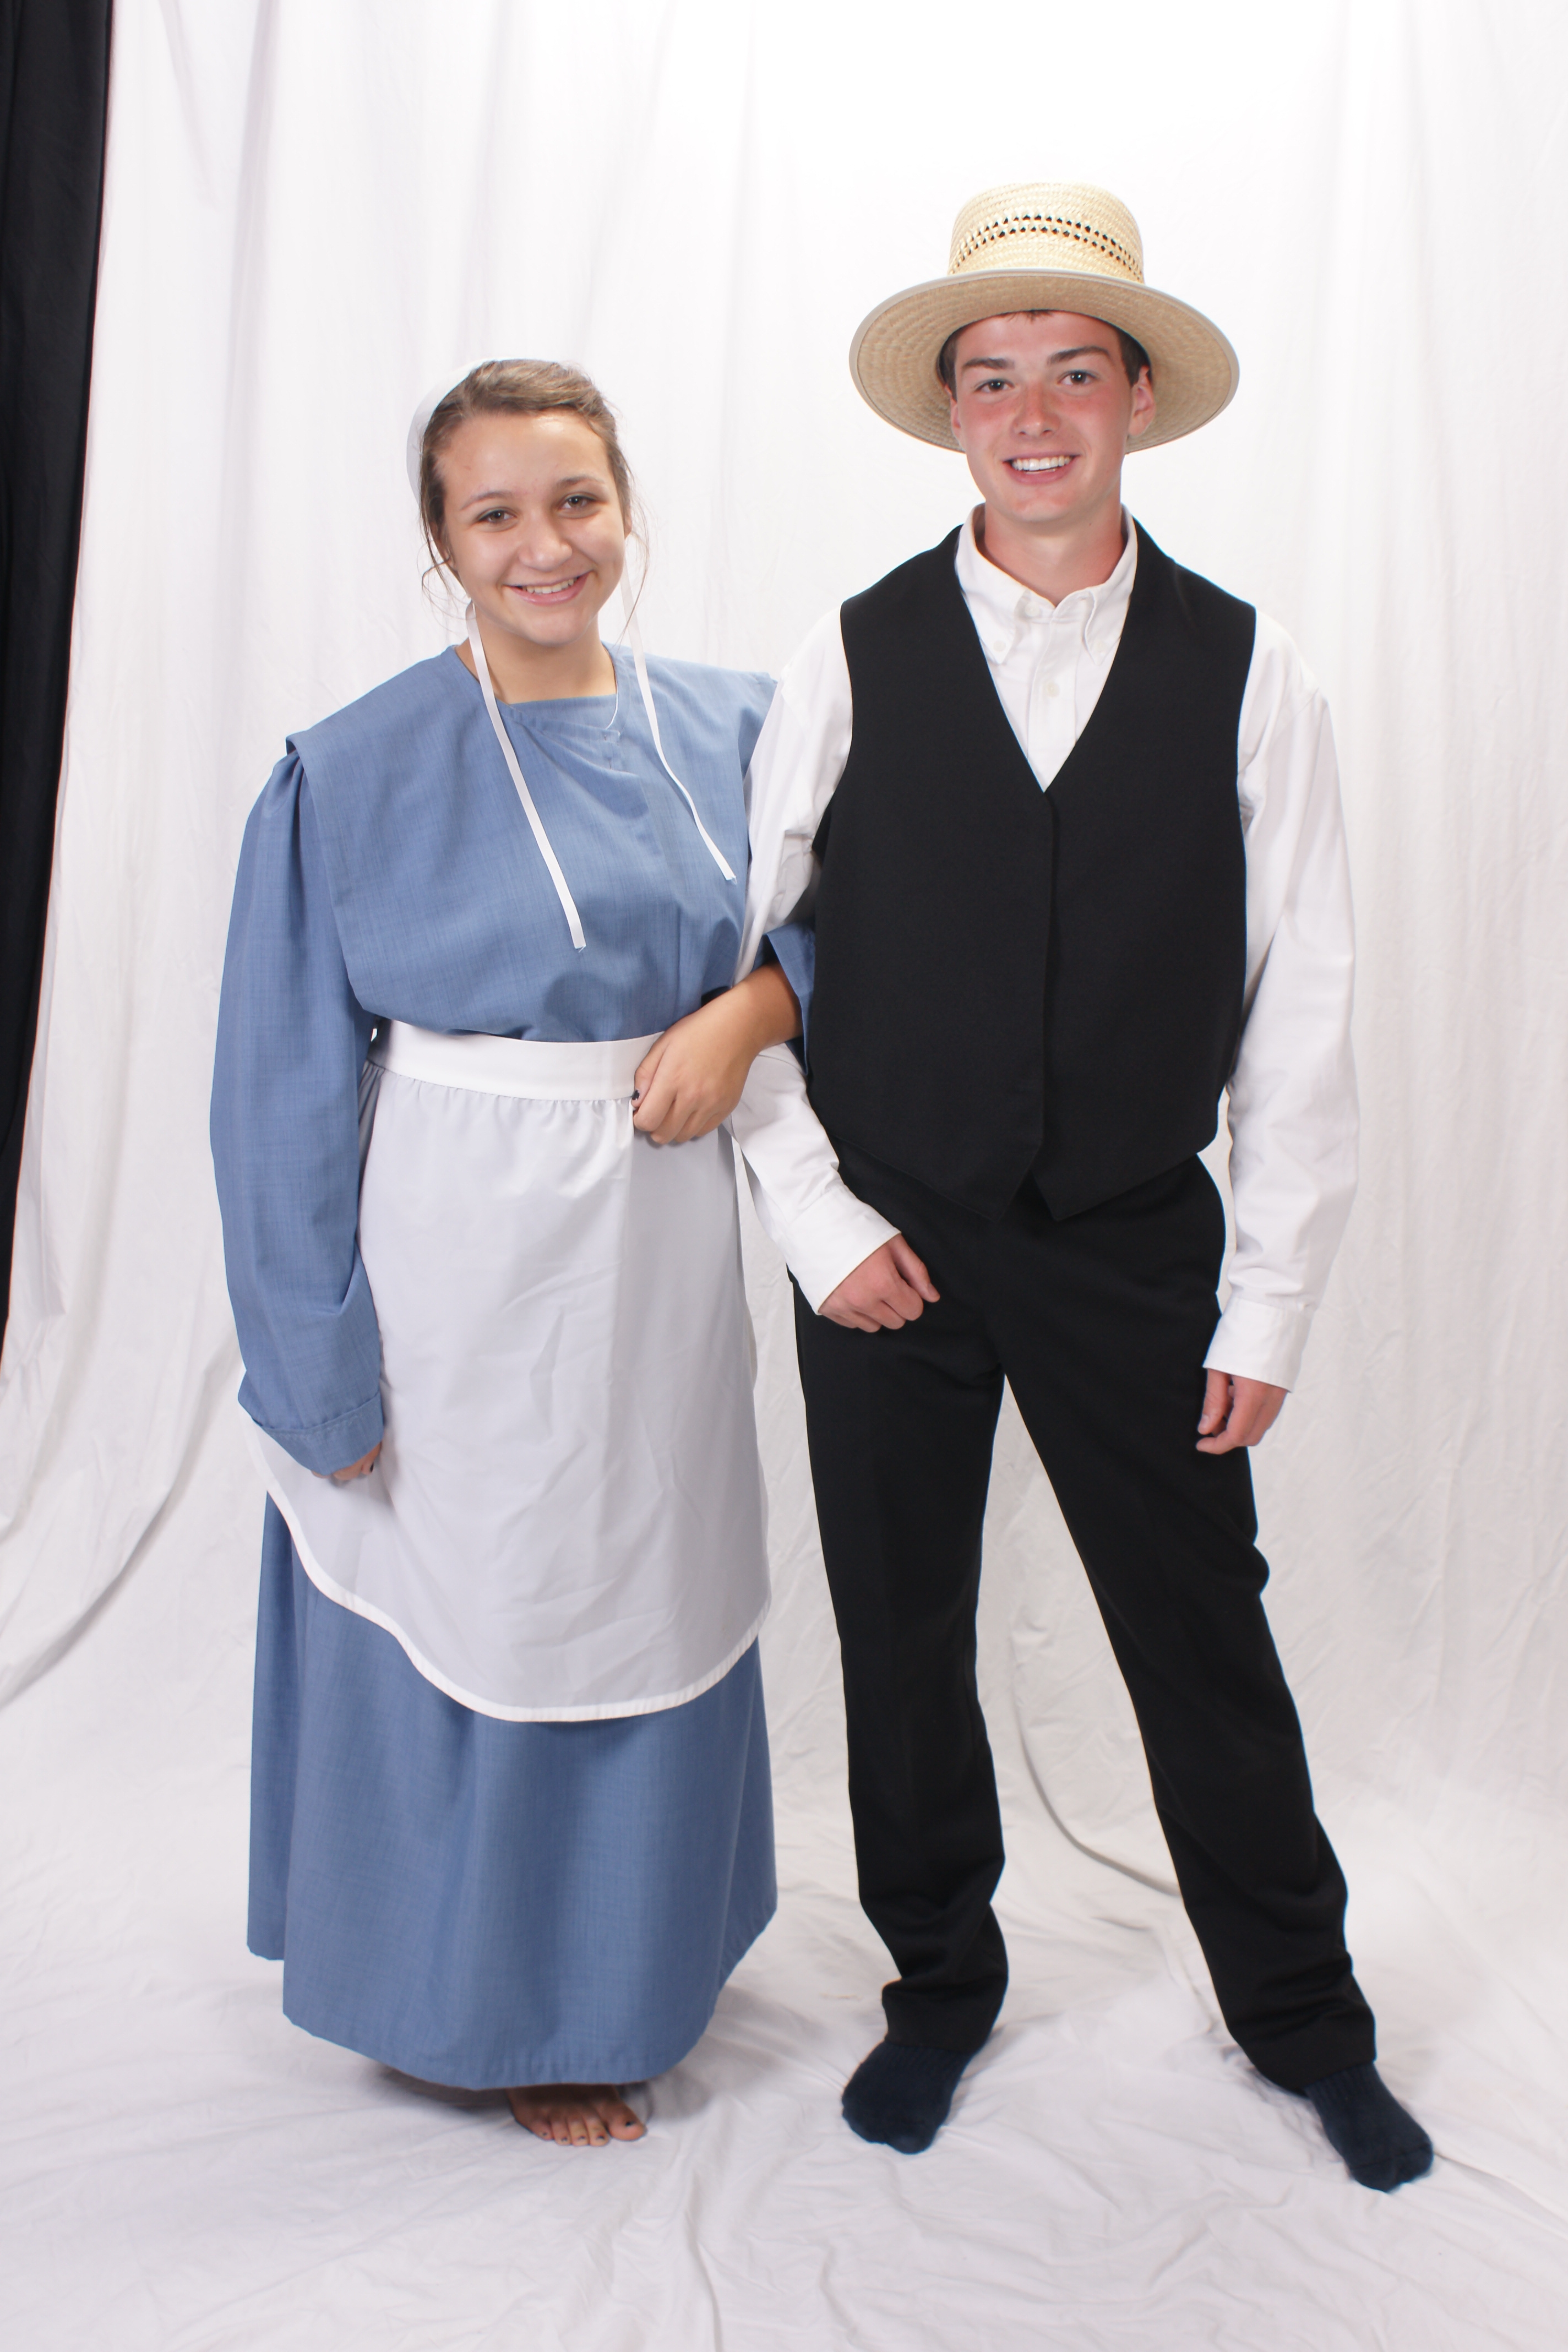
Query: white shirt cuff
[825,1241]
[802,1202]
[1255,1340]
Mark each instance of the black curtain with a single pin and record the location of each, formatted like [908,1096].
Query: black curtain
[54,94]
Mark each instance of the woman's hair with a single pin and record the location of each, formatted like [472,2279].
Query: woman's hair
[515,388]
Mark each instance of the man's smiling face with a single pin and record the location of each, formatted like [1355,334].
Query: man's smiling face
[1043,411]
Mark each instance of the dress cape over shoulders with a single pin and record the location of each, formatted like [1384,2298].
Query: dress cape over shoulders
[416,710]
[446,912]
[433,696]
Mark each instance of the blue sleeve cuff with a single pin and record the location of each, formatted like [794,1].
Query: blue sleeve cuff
[329,1446]
[794,947]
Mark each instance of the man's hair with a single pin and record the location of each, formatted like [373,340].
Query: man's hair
[1134,358]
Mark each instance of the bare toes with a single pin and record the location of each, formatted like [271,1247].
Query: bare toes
[574,2114]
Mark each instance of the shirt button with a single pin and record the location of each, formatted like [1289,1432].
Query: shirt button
[1052,688]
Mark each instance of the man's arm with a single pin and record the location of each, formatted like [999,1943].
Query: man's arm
[1236,1413]
[794,774]
[795,771]
[851,1264]
[1292,1099]
[729,1058]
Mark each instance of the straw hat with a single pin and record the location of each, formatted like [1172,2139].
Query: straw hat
[1047,246]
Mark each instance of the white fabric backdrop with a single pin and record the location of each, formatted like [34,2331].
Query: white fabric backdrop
[313,207]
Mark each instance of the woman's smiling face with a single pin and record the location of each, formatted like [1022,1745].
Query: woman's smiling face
[533,526]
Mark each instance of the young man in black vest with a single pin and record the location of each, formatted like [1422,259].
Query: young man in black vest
[1058,823]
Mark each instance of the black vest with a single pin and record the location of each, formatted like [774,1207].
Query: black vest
[1009,979]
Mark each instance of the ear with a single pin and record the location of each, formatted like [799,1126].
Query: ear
[1143,408]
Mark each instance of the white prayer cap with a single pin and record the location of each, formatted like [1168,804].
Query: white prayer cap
[426,411]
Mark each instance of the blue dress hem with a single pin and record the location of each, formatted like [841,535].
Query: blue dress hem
[568,2064]
[480,1904]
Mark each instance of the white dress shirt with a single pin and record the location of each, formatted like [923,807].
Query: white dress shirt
[1291,1103]
[1050,661]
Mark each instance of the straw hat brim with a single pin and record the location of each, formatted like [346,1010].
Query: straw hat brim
[894,356]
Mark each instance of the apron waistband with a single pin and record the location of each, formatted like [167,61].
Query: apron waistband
[530,1069]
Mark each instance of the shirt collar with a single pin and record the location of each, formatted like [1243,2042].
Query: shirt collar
[1002,608]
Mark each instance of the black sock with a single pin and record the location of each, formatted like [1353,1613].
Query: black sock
[1364,2123]
[901,2094]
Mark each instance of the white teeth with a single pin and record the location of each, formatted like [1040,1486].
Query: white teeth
[556,588]
[1038,465]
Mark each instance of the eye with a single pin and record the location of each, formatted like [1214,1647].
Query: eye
[993,384]
[1079,375]
[493,514]
[580,499]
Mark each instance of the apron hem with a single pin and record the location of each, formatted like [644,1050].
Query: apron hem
[599,1711]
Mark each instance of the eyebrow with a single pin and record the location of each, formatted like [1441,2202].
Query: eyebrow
[567,482]
[1078,351]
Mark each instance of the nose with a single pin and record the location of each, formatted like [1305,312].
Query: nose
[542,544]
[1037,410]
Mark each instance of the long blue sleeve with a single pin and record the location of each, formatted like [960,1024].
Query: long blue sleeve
[388,868]
[285,1138]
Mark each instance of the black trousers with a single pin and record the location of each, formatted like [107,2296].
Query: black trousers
[1100,1324]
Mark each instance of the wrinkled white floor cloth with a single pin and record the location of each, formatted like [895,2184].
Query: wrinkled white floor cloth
[183,2171]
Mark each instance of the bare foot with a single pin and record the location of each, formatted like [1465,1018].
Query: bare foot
[575,2115]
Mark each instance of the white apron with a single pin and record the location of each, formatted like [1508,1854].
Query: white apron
[567,1519]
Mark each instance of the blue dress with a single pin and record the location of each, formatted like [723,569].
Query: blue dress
[474,1901]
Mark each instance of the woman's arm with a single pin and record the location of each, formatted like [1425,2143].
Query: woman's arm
[285,1137]
[691,1079]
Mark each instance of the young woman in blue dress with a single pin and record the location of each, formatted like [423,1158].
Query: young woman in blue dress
[482,1017]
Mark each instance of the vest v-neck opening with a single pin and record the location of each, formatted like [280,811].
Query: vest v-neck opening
[1134,619]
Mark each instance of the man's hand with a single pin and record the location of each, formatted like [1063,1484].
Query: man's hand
[886,1291]
[690,1078]
[1236,1413]
[359,1469]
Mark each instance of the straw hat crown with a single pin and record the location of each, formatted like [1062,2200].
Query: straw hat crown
[1054,245]
[1052,225]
